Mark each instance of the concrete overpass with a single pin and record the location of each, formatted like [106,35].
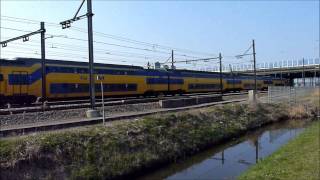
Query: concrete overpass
[307,71]
[297,75]
[293,69]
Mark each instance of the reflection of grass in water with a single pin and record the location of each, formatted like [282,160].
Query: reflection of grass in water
[299,159]
[288,124]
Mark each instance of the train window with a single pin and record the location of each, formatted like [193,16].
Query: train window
[267,81]
[1,77]
[204,86]
[236,81]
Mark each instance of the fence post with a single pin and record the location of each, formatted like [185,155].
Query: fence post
[290,96]
[269,94]
[295,95]
[102,98]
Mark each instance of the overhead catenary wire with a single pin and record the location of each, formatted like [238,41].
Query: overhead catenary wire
[129,57]
[153,45]
[74,56]
[153,51]
[14,29]
[101,52]
[62,54]
[118,45]
[82,47]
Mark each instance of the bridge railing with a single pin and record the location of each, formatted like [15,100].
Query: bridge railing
[266,65]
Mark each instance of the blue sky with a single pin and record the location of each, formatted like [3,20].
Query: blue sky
[283,30]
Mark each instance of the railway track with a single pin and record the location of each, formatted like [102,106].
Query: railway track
[83,101]
[77,104]
[68,123]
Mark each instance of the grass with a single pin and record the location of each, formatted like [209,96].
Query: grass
[100,152]
[299,159]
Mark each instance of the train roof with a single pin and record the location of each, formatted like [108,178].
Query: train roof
[20,61]
[30,61]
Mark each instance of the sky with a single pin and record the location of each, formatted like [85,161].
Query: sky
[282,30]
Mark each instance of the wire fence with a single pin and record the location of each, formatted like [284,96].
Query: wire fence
[291,95]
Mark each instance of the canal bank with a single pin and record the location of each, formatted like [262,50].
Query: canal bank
[228,160]
[299,159]
[129,148]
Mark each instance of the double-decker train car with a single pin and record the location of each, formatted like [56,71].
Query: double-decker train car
[21,80]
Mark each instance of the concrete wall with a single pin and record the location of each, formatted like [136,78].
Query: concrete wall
[174,103]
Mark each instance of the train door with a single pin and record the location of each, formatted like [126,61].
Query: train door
[20,85]
[1,90]
[179,82]
[152,82]
[1,86]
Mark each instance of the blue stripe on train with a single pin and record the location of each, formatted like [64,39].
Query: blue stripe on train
[24,79]
[204,86]
[235,81]
[21,79]
[64,88]
[164,81]
[36,75]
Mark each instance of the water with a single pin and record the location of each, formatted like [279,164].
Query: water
[229,160]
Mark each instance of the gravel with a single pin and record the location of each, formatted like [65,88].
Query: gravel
[58,115]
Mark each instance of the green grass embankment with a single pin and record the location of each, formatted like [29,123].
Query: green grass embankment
[299,159]
[124,148]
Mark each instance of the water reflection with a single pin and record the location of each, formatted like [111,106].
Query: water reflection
[230,159]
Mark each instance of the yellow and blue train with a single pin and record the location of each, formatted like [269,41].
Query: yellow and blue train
[21,80]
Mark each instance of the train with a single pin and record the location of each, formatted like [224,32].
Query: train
[21,81]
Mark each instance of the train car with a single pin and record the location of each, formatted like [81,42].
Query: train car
[279,82]
[2,85]
[197,81]
[233,83]
[15,81]
[21,80]
[69,80]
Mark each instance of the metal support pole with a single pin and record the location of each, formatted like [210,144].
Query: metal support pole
[281,72]
[295,95]
[148,65]
[172,60]
[102,98]
[91,61]
[222,156]
[220,62]
[290,96]
[256,143]
[303,75]
[255,71]
[314,78]
[233,79]
[43,62]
